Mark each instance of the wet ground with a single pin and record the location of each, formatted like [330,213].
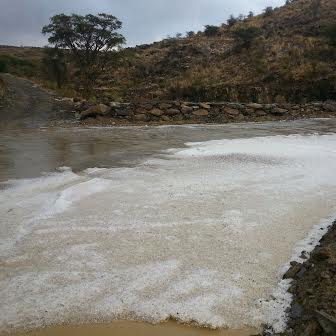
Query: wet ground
[158,228]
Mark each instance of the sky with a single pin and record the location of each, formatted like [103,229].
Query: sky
[144,21]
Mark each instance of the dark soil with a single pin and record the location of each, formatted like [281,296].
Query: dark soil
[313,310]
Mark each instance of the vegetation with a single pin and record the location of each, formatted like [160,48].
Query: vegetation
[282,57]
[91,40]
[211,30]
[55,66]
[245,35]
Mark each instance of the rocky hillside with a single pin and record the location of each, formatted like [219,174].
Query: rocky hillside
[283,56]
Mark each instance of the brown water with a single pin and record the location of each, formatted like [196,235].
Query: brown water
[127,328]
[29,152]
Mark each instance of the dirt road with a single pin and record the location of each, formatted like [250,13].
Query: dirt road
[29,106]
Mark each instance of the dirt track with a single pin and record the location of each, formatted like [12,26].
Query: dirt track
[29,106]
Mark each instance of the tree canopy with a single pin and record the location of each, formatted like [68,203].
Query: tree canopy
[90,38]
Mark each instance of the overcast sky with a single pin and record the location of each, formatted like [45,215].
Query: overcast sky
[144,21]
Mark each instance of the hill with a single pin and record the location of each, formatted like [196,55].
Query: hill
[282,55]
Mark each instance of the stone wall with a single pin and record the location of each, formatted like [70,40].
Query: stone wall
[176,111]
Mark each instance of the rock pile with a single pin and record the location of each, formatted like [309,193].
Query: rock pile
[216,112]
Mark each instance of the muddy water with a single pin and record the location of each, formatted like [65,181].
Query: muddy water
[29,152]
[127,328]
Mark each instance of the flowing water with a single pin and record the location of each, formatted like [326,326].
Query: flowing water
[194,223]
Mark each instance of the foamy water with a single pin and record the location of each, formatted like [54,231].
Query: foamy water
[201,234]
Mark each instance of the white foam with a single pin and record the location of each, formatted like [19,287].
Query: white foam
[203,236]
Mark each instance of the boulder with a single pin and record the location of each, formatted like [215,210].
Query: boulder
[260,113]
[186,109]
[95,111]
[279,111]
[140,117]
[205,106]
[255,106]
[201,113]
[172,112]
[331,107]
[165,106]
[231,111]
[115,104]
[156,112]
[122,113]
[165,118]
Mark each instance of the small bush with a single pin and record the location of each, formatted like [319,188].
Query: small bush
[232,21]
[245,35]
[268,11]
[211,30]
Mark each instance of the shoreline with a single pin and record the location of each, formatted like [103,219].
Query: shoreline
[129,328]
[313,286]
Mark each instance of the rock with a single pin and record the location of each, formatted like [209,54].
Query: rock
[172,112]
[293,271]
[260,113]
[156,112]
[186,109]
[231,111]
[296,310]
[122,113]
[311,329]
[331,107]
[255,106]
[323,253]
[205,106]
[140,117]
[165,118]
[327,322]
[115,104]
[201,113]
[165,106]
[279,111]
[148,106]
[94,111]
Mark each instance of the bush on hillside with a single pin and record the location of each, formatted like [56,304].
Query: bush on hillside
[245,35]
[211,30]
[232,21]
[268,11]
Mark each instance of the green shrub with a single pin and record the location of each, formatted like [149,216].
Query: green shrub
[211,30]
[268,11]
[245,35]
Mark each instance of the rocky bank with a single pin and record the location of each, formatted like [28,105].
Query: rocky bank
[313,310]
[175,112]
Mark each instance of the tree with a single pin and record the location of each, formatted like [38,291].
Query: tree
[211,30]
[250,15]
[55,66]
[245,35]
[190,34]
[91,39]
[231,21]
[268,11]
